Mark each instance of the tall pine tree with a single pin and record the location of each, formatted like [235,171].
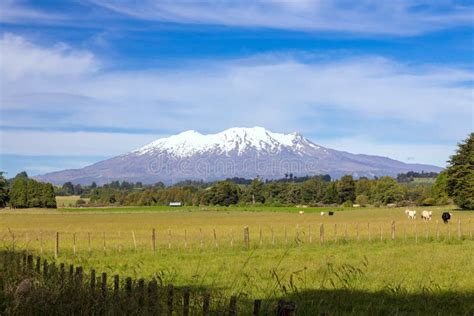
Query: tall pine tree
[460,174]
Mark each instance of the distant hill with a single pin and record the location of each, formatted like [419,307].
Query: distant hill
[236,152]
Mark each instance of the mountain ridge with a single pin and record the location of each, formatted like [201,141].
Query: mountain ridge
[235,152]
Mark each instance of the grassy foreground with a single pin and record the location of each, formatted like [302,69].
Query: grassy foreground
[205,249]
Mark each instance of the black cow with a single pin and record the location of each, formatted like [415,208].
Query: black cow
[331,213]
[446,217]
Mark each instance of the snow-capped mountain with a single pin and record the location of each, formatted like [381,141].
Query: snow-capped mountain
[236,152]
[232,141]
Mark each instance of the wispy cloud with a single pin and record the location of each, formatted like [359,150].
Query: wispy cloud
[397,17]
[369,98]
[13,11]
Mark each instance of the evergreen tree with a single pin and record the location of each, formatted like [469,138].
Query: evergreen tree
[387,190]
[68,188]
[331,195]
[3,190]
[223,193]
[34,193]
[48,198]
[19,194]
[255,192]
[346,189]
[460,174]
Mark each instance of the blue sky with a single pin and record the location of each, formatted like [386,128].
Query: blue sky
[85,80]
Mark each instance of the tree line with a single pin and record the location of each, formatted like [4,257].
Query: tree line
[455,184]
[23,192]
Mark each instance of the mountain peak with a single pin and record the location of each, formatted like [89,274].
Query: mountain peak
[235,152]
[235,139]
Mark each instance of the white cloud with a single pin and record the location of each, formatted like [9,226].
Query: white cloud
[20,58]
[396,17]
[11,11]
[58,87]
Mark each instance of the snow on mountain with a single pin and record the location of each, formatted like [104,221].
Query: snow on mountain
[235,152]
[236,140]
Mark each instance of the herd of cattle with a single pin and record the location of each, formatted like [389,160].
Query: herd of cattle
[425,215]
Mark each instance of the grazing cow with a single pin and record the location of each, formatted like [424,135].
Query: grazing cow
[301,212]
[331,213]
[322,213]
[410,214]
[426,216]
[446,217]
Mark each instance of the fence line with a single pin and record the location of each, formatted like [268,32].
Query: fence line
[80,293]
[74,242]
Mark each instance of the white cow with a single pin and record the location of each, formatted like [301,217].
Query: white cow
[411,214]
[426,216]
[301,212]
[322,213]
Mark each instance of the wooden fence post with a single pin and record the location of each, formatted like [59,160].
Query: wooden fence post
[119,241]
[201,242]
[247,237]
[437,230]
[153,240]
[297,235]
[470,229]
[206,304]
[216,245]
[116,284]
[368,232]
[71,272]
[134,241]
[185,239]
[62,272]
[45,269]
[153,301]
[310,236]
[256,307]
[459,229]
[89,244]
[74,243]
[357,231]
[29,262]
[41,242]
[335,232]
[233,306]
[103,239]
[103,285]
[170,299]
[79,276]
[93,279]
[56,247]
[273,236]
[393,230]
[416,233]
[232,238]
[381,232]
[186,302]
[141,291]
[169,238]
[321,234]
[128,286]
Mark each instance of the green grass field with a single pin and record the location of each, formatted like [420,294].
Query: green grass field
[205,248]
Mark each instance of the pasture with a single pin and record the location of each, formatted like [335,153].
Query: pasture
[362,250]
